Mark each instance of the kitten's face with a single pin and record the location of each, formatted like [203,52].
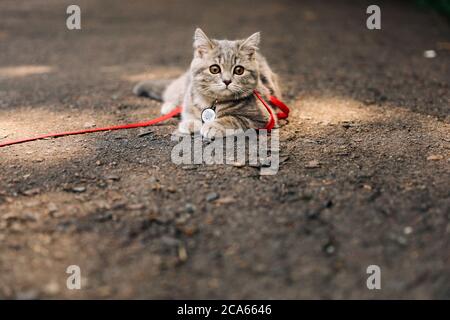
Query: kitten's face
[224,70]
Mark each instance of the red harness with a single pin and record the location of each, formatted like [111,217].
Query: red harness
[283,114]
[284,109]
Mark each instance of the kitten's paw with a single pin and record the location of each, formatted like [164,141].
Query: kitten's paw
[167,107]
[213,130]
[189,126]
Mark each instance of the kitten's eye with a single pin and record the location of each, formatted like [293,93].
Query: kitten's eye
[238,70]
[214,69]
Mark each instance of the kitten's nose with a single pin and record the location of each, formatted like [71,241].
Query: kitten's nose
[227,82]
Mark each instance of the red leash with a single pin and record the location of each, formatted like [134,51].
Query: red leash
[165,117]
[284,110]
[281,115]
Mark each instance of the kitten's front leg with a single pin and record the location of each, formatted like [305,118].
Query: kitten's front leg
[189,126]
[190,118]
[223,126]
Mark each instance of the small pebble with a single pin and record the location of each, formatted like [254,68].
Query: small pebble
[136,206]
[51,207]
[32,192]
[435,157]
[330,249]
[79,189]
[238,164]
[429,54]
[312,164]
[88,125]
[408,230]
[225,200]
[182,253]
[212,196]
[112,177]
[190,208]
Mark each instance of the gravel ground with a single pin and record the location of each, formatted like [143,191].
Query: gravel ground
[364,179]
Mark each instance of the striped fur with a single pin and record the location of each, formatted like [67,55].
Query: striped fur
[198,88]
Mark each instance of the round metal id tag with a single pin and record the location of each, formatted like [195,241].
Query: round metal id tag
[208,115]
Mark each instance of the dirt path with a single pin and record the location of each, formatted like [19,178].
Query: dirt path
[367,106]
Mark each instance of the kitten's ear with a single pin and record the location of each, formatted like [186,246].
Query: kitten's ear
[202,44]
[250,45]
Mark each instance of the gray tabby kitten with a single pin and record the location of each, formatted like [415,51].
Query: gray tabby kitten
[222,71]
